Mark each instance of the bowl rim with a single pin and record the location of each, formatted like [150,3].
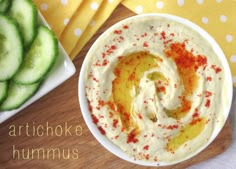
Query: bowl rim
[110,146]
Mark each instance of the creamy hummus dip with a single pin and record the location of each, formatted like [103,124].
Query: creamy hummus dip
[155,88]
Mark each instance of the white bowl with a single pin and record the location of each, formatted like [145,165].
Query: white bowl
[61,71]
[87,114]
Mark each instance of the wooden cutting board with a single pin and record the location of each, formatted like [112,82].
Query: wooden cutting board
[81,150]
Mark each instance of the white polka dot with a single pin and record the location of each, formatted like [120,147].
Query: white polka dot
[180,2]
[44,6]
[233,58]
[218,1]
[229,38]
[200,1]
[223,18]
[110,1]
[160,5]
[94,6]
[66,21]
[77,32]
[64,2]
[204,20]
[139,9]
[234,79]
[92,23]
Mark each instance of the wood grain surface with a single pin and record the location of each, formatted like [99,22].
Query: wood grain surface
[81,150]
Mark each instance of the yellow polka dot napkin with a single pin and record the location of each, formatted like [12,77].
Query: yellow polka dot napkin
[76,21]
[58,14]
[101,16]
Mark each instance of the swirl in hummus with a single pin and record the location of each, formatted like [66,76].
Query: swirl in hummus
[155,88]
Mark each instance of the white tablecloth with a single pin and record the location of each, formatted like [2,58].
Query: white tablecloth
[227,160]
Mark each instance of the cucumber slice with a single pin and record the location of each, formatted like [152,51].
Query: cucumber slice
[3,91]
[18,94]
[25,13]
[11,48]
[39,59]
[4,5]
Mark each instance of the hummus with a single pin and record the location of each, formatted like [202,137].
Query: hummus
[155,88]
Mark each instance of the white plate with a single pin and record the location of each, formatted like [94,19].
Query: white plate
[61,71]
[111,146]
